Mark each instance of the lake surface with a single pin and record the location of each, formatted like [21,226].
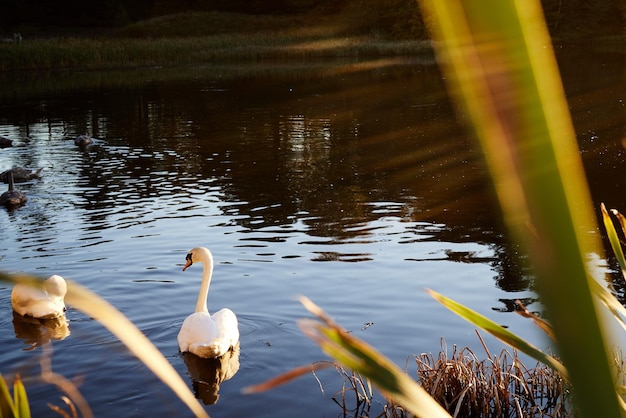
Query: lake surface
[352,183]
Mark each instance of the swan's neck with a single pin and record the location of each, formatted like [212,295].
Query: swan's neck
[11,181]
[207,272]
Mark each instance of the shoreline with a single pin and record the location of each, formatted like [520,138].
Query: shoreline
[111,53]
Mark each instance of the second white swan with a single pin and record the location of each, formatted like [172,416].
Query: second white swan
[205,335]
[45,302]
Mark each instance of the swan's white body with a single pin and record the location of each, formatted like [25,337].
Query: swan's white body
[45,302]
[205,335]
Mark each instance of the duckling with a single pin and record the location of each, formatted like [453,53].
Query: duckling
[20,174]
[12,198]
[5,142]
[83,140]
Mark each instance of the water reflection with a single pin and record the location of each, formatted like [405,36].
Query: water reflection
[37,332]
[207,374]
[357,187]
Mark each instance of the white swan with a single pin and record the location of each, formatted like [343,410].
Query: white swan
[202,334]
[44,302]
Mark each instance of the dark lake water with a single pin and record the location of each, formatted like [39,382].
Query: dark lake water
[352,183]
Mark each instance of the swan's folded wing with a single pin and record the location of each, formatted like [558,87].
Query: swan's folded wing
[198,328]
[31,301]
[227,326]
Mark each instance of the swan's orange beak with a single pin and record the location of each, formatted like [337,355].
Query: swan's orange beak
[187,264]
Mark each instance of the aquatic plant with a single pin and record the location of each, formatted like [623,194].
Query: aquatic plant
[462,383]
[496,386]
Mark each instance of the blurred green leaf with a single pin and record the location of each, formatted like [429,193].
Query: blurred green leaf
[613,239]
[358,356]
[6,401]
[611,303]
[21,400]
[362,358]
[498,60]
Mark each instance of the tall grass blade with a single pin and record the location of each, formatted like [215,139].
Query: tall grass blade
[500,332]
[112,319]
[498,59]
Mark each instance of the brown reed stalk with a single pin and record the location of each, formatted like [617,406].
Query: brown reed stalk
[354,387]
[498,386]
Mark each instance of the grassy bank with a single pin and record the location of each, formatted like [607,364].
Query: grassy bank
[200,38]
[91,54]
[359,29]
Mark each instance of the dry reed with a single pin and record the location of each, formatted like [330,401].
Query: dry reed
[498,386]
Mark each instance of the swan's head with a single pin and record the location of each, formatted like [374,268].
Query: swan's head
[198,254]
[55,285]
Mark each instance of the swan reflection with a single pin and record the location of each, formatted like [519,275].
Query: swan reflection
[36,332]
[208,373]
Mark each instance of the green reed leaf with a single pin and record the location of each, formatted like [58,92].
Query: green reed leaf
[498,60]
[7,408]
[21,399]
[500,332]
[611,303]
[357,355]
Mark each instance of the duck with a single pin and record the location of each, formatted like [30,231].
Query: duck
[21,174]
[12,198]
[5,142]
[203,334]
[83,140]
[43,303]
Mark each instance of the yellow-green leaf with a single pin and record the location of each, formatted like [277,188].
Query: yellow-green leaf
[357,355]
[613,239]
[7,408]
[498,60]
[499,332]
[21,400]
